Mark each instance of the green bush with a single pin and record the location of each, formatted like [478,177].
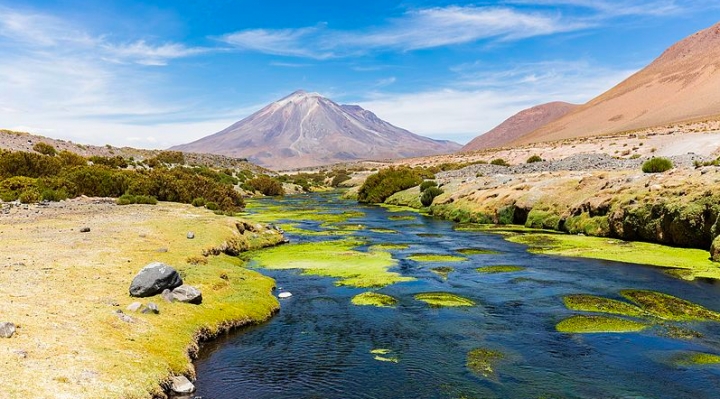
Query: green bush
[170,157]
[116,162]
[429,195]
[127,199]
[379,186]
[45,149]
[29,196]
[212,206]
[198,202]
[266,185]
[657,165]
[28,164]
[499,162]
[49,194]
[427,184]
[339,179]
[533,159]
[11,188]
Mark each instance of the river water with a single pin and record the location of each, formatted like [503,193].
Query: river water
[319,345]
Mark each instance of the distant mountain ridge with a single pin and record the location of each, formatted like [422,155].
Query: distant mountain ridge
[306,129]
[683,84]
[518,125]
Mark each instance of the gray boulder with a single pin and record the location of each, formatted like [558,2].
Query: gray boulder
[180,384]
[187,294]
[151,309]
[134,307]
[190,235]
[153,279]
[7,330]
[167,295]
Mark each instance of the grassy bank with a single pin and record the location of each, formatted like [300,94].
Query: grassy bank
[63,288]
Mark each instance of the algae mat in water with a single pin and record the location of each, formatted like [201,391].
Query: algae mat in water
[436,258]
[374,299]
[336,259]
[443,299]
[597,304]
[482,361]
[599,324]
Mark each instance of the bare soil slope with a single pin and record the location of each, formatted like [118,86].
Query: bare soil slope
[683,84]
[519,125]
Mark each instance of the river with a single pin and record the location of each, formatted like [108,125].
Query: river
[320,344]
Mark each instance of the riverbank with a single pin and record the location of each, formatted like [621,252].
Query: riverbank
[63,288]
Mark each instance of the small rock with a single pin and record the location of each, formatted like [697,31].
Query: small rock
[151,309]
[134,307]
[84,229]
[167,295]
[162,250]
[180,384]
[153,279]
[21,353]
[190,235]
[284,295]
[124,317]
[187,294]
[7,330]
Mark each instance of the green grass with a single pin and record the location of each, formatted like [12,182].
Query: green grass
[443,299]
[599,324]
[336,259]
[374,299]
[500,269]
[436,258]
[592,303]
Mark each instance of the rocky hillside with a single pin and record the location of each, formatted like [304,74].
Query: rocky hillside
[305,129]
[683,84]
[519,125]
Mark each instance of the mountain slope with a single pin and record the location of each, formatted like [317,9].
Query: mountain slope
[306,129]
[682,84]
[518,125]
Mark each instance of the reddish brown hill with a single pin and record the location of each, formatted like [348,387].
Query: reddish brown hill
[518,125]
[682,84]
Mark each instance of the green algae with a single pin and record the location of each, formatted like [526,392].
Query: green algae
[693,263]
[380,351]
[401,217]
[336,259]
[389,247]
[677,332]
[381,355]
[429,235]
[599,324]
[691,358]
[668,307]
[482,361]
[436,258]
[384,231]
[500,269]
[592,303]
[442,271]
[477,251]
[398,208]
[374,299]
[443,299]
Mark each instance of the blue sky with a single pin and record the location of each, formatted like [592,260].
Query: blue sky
[152,74]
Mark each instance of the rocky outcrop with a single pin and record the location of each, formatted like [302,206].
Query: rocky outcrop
[153,279]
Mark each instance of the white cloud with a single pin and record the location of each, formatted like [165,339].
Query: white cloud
[420,29]
[480,100]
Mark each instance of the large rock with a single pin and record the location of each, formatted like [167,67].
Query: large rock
[7,330]
[153,279]
[715,250]
[180,384]
[187,294]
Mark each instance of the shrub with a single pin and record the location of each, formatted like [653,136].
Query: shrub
[212,206]
[429,195]
[116,162]
[198,202]
[339,178]
[533,159]
[266,185]
[427,184]
[54,195]
[170,157]
[499,162]
[127,199]
[29,196]
[45,149]
[28,164]
[657,165]
[379,186]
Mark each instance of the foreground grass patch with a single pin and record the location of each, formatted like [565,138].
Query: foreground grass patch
[443,299]
[374,299]
[336,259]
[436,258]
[482,361]
[599,324]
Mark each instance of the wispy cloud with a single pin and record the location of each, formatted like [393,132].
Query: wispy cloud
[603,9]
[418,29]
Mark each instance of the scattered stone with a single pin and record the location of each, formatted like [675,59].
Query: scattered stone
[84,229]
[153,279]
[124,317]
[134,307]
[167,295]
[162,250]
[180,384]
[187,294]
[284,295]
[151,309]
[7,330]
[190,235]
[21,353]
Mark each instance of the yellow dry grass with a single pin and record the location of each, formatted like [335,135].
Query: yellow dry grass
[62,288]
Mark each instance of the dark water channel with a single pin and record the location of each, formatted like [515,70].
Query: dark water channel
[319,345]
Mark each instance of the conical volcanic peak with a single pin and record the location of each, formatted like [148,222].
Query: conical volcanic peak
[683,84]
[306,129]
